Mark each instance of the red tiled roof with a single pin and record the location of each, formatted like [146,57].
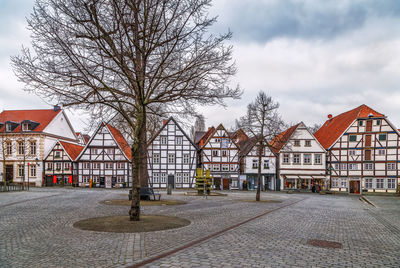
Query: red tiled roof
[239,136]
[333,128]
[43,117]
[205,137]
[73,150]
[121,141]
[281,139]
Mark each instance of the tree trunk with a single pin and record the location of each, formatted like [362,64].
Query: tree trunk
[139,163]
[260,150]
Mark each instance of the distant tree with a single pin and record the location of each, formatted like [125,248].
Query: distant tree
[315,128]
[121,57]
[199,125]
[262,121]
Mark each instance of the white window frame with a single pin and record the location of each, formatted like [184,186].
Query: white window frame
[381,151]
[171,158]
[156,158]
[318,159]
[266,164]
[380,183]
[32,170]
[185,177]
[307,143]
[353,166]
[21,149]
[369,183]
[20,170]
[9,149]
[335,182]
[391,183]
[343,166]
[186,159]
[254,164]
[225,167]
[307,159]
[178,140]
[286,159]
[295,158]
[352,152]
[343,183]
[156,177]
[108,165]
[216,167]
[368,166]
[32,147]
[391,166]
[163,177]
[164,140]
[179,178]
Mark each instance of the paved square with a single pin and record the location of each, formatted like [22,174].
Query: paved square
[36,231]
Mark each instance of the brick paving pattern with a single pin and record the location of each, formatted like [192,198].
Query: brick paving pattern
[36,231]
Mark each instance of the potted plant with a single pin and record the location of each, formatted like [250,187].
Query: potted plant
[124,184]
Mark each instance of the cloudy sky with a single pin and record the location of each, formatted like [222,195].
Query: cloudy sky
[313,57]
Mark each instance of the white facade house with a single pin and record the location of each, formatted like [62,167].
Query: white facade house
[26,137]
[363,151]
[172,157]
[220,154]
[249,163]
[302,159]
[106,159]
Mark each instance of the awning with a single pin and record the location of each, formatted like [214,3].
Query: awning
[304,177]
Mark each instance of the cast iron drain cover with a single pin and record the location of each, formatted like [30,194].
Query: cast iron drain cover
[323,243]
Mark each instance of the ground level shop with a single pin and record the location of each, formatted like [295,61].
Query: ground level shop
[304,183]
[356,185]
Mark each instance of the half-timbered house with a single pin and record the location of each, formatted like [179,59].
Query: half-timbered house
[363,151]
[172,157]
[106,159]
[220,154]
[249,163]
[301,159]
[60,164]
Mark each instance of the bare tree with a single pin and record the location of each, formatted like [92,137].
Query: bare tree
[262,121]
[199,125]
[121,57]
[314,128]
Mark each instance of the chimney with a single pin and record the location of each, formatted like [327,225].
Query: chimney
[329,116]
[56,108]
[164,122]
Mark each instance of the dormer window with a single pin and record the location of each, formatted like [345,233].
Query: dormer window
[8,127]
[26,127]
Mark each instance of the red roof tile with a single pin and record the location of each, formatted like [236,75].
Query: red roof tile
[281,139]
[205,137]
[121,141]
[333,128]
[73,150]
[43,117]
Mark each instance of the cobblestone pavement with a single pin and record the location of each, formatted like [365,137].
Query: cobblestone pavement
[36,231]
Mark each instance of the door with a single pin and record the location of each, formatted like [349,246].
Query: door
[225,184]
[369,125]
[354,187]
[108,182]
[49,180]
[171,180]
[367,155]
[9,173]
[367,140]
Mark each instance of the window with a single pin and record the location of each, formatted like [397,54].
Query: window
[25,127]
[391,166]
[164,140]
[58,166]
[296,158]
[233,167]
[353,166]
[186,158]
[343,182]
[225,167]
[110,151]
[335,182]
[225,143]
[391,183]
[266,164]
[67,166]
[156,178]
[216,167]
[85,179]
[216,140]
[368,183]
[224,153]
[49,166]
[297,143]
[8,127]
[255,163]
[86,165]
[360,123]
[108,165]
[120,179]
[286,158]
[163,177]
[352,152]
[96,165]
[178,178]
[307,144]
[21,147]
[343,166]
[368,166]
[378,122]
[33,170]
[381,152]
[307,159]
[337,167]
[178,140]
[215,153]
[156,158]
[9,148]
[93,151]
[379,183]
[382,137]
[20,170]
[57,154]
[318,159]
[95,179]
[33,147]
[171,158]
[185,177]
[120,165]
[352,137]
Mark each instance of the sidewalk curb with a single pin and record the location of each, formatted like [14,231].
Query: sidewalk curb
[368,201]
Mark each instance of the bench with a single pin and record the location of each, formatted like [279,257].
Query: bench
[146,193]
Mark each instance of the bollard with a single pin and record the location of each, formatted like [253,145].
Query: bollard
[169,189]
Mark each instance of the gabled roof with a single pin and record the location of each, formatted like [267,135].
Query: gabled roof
[123,144]
[239,136]
[43,117]
[282,138]
[198,135]
[176,123]
[333,128]
[210,133]
[73,150]
[202,141]
[85,137]
[246,146]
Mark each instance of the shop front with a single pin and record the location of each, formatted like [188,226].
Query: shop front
[304,183]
